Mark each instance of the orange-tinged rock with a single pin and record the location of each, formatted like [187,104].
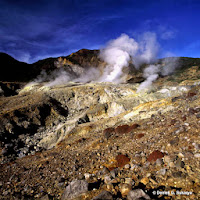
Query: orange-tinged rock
[155,155]
[145,180]
[122,160]
[140,135]
[125,128]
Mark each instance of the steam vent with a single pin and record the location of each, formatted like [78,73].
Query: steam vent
[91,126]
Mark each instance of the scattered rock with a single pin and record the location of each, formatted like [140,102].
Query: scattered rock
[191,94]
[114,172]
[145,180]
[125,189]
[179,163]
[197,146]
[137,194]
[46,197]
[198,115]
[103,171]
[159,162]
[129,181]
[104,195]
[155,155]
[140,135]
[197,155]
[108,132]
[87,176]
[125,128]
[167,159]
[127,166]
[85,145]
[75,189]
[107,179]
[174,141]
[122,160]
[177,174]
[162,171]
[192,111]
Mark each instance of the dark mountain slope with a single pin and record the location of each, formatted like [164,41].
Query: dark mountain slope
[15,71]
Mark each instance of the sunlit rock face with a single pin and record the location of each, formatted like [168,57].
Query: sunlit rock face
[40,116]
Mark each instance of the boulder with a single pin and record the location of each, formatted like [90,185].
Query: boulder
[137,194]
[75,189]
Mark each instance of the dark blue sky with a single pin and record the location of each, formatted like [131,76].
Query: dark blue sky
[35,29]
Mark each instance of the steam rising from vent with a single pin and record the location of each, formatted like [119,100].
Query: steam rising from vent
[170,64]
[148,50]
[118,54]
[151,74]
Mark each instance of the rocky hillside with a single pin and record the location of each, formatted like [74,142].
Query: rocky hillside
[12,70]
[85,58]
[75,64]
[15,71]
[101,140]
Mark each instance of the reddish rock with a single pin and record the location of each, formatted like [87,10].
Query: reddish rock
[155,155]
[140,135]
[122,129]
[111,168]
[122,160]
[190,147]
[184,118]
[125,128]
[134,126]
[191,94]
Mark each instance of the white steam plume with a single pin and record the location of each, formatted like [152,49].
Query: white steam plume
[119,52]
[169,65]
[148,49]
[117,55]
[89,75]
[61,78]
[151,74]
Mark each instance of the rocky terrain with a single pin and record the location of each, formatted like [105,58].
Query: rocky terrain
[15,71]
[101,140]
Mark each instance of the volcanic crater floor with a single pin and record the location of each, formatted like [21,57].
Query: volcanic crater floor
[116,140]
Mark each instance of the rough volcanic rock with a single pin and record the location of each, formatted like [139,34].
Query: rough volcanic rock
[122,160]
[137,194]
[75,189]
[155,155]
[105,195]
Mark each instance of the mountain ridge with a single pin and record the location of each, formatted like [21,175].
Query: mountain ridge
[24,72]
[16,71]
